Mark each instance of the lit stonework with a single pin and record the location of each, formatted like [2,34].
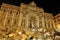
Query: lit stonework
[28,20]
[57,22]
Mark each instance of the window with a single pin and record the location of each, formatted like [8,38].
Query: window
[58,19]
[8,21]
[17,13]
[15,21]
[10,12]
[4,10]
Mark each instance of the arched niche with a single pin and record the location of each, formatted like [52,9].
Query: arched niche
[32,20]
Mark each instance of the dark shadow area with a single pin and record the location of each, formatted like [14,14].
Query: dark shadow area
[31,38]
[57,33]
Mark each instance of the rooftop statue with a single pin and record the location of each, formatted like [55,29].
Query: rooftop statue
[33,3]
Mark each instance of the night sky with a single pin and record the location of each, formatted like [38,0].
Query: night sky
[50,6]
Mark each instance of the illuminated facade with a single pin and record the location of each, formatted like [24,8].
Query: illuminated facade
[24,22]
[57,18]
[57,22]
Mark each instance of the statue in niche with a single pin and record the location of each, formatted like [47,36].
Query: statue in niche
[23,23]
[32,22]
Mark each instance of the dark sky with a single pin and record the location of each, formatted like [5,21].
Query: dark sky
[51,6]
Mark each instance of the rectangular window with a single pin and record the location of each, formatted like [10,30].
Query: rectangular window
[10,13]
[3,11]
[8,21]
[15,22]
[17,14]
